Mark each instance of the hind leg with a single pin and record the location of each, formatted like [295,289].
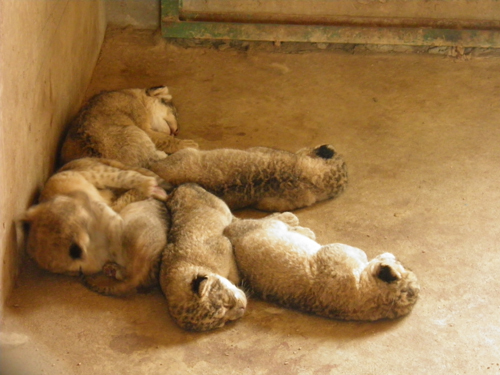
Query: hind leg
[103,284]
[286,217]
[292,222]
[115,280]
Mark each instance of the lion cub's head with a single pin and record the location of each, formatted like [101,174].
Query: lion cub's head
[204,301]
[162,110]
[62,235]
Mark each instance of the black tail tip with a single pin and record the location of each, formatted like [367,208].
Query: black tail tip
[151,90]
[155,88]
[325,152]
[386,274]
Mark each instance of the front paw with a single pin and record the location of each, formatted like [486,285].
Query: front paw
[171,144]
[100,283]
[187,143]
[114,270]
[286,217]
[150,188]
[159,155]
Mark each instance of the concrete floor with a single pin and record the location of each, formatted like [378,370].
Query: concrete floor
[421,137]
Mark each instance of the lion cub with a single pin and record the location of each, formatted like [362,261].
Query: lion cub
[283,263]
[198,271]
[265,178]
[74,229]
[136,263]
[134,126]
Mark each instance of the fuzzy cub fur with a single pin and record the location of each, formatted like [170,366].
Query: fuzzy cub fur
[283,263]
[74,229]
[134,126]
[198,271]
[136,261]
[265,178]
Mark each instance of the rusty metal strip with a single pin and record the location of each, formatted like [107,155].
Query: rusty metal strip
[333,34]
[336,20]
[173,27]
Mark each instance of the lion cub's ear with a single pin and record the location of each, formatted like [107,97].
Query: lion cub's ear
[22,225]
[31,214]
[387,274]
[160,92]
[198,285]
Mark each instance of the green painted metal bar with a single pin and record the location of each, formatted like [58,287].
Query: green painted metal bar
[170,10]
[172,27]
[332,34]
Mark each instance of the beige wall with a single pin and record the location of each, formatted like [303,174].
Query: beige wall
[48,49]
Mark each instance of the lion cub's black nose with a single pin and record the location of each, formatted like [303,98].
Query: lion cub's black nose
[325,152]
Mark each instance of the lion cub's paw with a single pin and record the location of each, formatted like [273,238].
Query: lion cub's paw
[99,283]
[286,217]
[114,270]
[169,144]
[159,193]
[160,155]
[150,188]
[108,281]
[187,143]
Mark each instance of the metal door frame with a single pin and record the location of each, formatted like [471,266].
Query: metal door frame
[174,27]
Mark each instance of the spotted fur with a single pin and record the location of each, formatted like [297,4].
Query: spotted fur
[198,271]
[264,178]
[281,262]
[133,126]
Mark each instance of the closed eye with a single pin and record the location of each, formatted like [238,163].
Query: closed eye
[75,251]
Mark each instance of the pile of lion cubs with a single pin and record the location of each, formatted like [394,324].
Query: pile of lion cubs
[133,206]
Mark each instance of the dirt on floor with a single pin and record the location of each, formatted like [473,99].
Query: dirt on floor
[421,137]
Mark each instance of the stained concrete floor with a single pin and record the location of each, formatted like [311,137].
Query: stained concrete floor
[421,137]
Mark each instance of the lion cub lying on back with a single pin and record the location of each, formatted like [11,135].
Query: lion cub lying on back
[265,178]
[74,229]
[282,263]
[134,126]
[198,271]
[136,262]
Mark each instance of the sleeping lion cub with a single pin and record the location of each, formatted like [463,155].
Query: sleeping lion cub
[283,263]
[134,126]
[198,271]
[265,178]
[74,228]
[136,261]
